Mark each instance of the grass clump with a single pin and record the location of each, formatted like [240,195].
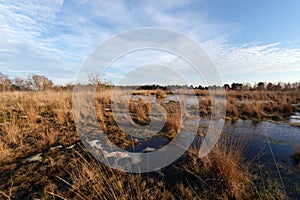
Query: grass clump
[160,94]
[222,172]
[89,179]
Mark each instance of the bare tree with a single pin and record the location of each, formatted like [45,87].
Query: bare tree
[23,84]
[41,82]
[100,83]
[95,79]
[5,82]
[246,86]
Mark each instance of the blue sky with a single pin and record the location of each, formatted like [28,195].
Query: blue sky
[249,41]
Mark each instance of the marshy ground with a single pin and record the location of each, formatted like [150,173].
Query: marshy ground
[42,157]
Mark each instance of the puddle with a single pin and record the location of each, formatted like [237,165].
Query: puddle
[149,145]
[189,99]
[271,144]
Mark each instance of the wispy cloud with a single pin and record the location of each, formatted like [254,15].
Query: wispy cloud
[54,37]
[253,57]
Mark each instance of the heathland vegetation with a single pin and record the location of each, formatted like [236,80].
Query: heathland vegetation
[41,155]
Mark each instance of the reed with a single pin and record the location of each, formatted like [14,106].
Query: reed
[160,94]
[225,174]
[91,180]
[140,111]
[223,171]
[36,119]
[32,122]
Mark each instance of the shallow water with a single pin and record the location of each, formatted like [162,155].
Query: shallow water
[154,143]
[189,99]
[273,143]
[295,118]
[267,144]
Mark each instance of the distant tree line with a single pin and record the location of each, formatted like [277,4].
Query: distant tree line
[263,86]
[32,82]
[40,82]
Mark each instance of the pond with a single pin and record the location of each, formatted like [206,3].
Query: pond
[269,147]
[269,144]
[189,99]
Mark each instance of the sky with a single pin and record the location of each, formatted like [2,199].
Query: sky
[248,41]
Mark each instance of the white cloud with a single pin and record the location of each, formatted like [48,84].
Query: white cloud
[252,58]
[55,37]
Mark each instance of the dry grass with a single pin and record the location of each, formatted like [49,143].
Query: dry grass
[140,111]
[220,175]
[224,174]
[262,105]
[173,118]
[32,122]
[223,171]
[160,94]
[254,105]
[34,119]
[91,180]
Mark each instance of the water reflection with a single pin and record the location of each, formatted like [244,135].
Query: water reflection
[295,118]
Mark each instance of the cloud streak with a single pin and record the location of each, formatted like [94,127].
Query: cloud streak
[253,58]
[54,37]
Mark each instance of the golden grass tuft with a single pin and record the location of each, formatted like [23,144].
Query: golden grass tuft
[140,111]
[36,119]
[92,180]
[160,94]
[224,174]
[32,122]
[222,170]
[173,121]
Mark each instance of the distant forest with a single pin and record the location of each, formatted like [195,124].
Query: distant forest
[40,83]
